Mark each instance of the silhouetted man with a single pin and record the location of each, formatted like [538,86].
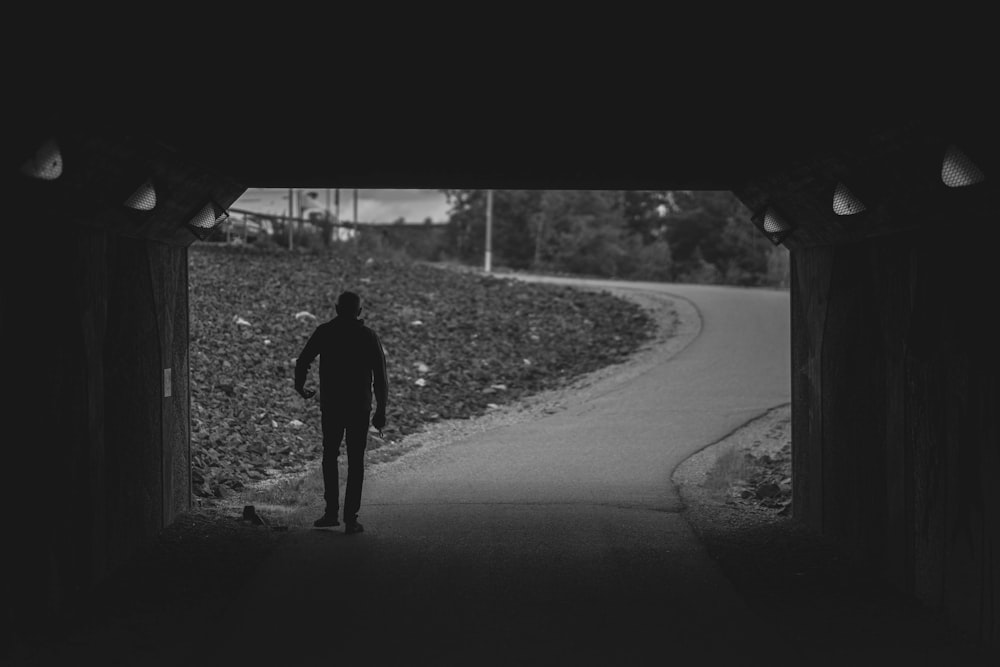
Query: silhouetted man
[351,361]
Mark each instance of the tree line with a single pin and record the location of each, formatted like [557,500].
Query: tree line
[657,235]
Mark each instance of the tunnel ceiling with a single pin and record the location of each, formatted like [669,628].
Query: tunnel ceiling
[706,139]
[557,148]
[783,146]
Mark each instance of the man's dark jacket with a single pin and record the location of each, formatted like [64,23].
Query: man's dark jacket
[351,360]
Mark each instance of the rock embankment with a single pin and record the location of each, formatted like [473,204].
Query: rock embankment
[457,346]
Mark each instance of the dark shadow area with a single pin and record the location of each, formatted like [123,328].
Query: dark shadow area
[165,600]
[814,606]
[819,605]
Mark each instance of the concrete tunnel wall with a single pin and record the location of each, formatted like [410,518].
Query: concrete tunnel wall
[895,365]
[894,423]
[94,310]
[105,455]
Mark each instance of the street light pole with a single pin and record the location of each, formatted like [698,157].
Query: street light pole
[291,211]
[539,229]
[489,231]
[327,222]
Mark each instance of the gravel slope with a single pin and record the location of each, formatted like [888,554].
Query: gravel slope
[458,345]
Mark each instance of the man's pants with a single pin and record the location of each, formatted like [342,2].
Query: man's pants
[334,427]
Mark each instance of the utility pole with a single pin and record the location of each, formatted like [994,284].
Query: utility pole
[291,214]
[489,231]
[328,222]
[539,228]
[355,206]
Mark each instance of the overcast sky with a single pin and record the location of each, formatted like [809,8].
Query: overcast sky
[373,205]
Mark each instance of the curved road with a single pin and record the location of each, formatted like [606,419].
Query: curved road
[555,541]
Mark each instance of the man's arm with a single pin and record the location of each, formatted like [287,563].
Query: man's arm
[381,382]
[309,352]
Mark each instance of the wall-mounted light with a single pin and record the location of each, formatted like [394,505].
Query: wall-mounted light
[845,202]
[957,170]
[206,219]
[143,199]
[773,225]
[46,164]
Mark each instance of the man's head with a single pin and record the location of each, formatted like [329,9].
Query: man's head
[348,305]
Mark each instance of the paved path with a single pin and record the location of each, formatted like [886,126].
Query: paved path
[554,541]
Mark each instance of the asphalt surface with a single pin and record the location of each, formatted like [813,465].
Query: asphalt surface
[554,541]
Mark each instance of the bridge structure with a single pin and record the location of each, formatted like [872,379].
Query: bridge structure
[888,211]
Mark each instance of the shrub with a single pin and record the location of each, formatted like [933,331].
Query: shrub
[651,262]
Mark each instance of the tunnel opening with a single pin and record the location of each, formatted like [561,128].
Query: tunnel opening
[254,304]
[638,228]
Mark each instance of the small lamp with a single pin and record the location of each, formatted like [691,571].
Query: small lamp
[46,164]
[845,202]
[773,225]
[143,199]
[958,171]
[207,219]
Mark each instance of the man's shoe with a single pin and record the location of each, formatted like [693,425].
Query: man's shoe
[326,521]
[354,527]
